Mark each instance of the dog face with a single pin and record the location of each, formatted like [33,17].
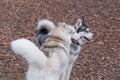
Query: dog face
[83,31]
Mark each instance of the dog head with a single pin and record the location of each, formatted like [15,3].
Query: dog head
[83,31]
[66,32]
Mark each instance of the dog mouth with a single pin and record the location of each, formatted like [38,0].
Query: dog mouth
[74,41]
[86,38]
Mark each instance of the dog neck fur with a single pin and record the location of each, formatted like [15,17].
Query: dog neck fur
[62,33]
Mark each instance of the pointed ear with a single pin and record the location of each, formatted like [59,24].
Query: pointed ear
[79,23]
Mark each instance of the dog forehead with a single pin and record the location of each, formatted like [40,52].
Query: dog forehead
[82,28]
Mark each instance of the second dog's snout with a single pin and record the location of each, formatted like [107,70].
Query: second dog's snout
[93,36]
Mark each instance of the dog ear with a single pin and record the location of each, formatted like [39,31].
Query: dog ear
[79,23]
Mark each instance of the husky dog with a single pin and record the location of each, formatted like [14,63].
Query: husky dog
[51,60]
[45,29]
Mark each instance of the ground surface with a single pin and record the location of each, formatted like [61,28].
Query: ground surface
[99,59]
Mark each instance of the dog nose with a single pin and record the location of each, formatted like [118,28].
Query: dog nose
[93,35]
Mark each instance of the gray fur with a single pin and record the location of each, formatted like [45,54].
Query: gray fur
[81,28]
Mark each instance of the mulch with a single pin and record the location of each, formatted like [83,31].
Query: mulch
[99,59]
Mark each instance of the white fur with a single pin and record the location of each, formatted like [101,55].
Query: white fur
[71,30]
[36,59]
[89,35]
[79,23]
[83,34]
[40,66]
[74,55]
[46,24]
[29,51]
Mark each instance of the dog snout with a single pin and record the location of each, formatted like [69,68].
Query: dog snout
[93,35]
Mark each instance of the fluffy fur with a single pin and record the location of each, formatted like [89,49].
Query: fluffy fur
[46,23]
[29,51]
[43,29]
[51,66]
[84,35]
